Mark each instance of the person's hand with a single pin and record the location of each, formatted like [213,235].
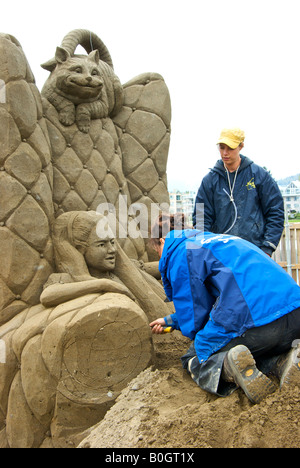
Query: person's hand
[158,326]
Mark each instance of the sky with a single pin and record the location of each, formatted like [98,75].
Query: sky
[227,63]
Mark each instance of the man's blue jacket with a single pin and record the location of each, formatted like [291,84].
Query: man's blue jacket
[221,286]
[257,198]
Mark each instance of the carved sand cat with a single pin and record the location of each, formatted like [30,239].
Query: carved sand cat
[108,141]
[77,91]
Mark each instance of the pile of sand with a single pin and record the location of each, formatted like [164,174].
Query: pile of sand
[164,408]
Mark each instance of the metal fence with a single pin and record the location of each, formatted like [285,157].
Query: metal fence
[288,251]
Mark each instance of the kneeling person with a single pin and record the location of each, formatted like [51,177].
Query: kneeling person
[240,309]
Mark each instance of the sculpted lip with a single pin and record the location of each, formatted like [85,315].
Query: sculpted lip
[88,85]
[111,258]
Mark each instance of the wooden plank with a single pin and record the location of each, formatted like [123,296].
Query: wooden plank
[280,255]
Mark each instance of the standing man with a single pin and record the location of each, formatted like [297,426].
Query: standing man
[239,197]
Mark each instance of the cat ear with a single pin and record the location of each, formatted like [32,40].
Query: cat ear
[95,56]
[50,65]
[61,55]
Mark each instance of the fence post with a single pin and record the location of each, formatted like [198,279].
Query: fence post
[287,240]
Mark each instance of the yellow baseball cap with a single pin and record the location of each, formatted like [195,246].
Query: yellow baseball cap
[232,137]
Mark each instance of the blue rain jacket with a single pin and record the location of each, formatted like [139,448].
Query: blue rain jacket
[221,286]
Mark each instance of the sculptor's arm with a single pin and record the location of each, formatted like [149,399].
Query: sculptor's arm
[56,294]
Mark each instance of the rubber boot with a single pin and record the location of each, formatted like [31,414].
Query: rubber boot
[240,367]
[287,368]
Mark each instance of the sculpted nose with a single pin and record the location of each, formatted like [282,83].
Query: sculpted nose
[112,248]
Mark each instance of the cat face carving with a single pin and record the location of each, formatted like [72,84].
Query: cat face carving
[78,78]
[81,88]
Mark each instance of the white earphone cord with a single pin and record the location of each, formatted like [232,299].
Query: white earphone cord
[231,197]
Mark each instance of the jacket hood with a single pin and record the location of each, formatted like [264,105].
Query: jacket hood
[219,166]
[173,240]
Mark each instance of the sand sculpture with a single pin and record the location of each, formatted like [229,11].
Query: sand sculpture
[75,330]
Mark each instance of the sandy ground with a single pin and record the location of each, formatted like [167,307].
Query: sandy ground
[164,408]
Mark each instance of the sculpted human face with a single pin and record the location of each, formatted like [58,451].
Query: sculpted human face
[230,157]
[101,253]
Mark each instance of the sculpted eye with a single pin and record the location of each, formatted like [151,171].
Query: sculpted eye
[78,70]
[95,73]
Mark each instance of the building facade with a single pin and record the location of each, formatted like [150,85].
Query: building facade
[291,195]
[183,202]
